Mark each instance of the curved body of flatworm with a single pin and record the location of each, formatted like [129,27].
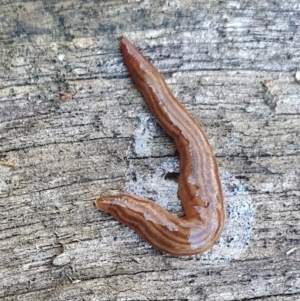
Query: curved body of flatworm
[199,187]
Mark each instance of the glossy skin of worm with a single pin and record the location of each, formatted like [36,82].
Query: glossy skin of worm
[199,187]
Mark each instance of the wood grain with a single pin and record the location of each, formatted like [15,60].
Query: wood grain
[232,64]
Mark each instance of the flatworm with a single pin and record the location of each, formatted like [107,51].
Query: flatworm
[199,187]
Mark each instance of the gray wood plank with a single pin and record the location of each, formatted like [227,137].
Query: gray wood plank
[233,64]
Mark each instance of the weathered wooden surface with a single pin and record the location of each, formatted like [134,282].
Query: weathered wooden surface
[233,64]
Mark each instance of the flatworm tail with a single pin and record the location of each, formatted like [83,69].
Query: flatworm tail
[199,186]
